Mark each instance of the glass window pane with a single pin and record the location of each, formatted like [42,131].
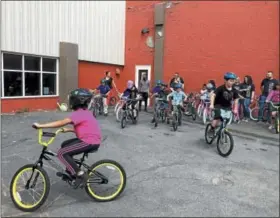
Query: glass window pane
[32,63]
[12,62]
[12,83]
[32,84]
[49,65]
[49,84]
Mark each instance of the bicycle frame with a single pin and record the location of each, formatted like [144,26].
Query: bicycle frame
[47,154]
[128,111]
[222,128]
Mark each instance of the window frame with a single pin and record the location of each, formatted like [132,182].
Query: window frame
[41,72]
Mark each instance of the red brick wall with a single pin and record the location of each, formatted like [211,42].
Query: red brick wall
[90,74]
[205,39]
[139,15]
[30,104]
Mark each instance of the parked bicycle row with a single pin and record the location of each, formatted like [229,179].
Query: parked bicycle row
[193,104]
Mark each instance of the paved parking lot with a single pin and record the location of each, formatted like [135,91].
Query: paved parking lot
[169,173]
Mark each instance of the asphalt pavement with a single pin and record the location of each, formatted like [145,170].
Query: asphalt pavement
[168,173]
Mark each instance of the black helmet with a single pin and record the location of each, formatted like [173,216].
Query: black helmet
[79,98]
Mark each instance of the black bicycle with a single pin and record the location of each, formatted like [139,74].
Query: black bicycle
[129,112]
[36,175]
[96,105]
[160,111]
[189,106]
[176,117]
[222,134]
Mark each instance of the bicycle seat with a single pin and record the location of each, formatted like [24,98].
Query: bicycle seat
[92,150]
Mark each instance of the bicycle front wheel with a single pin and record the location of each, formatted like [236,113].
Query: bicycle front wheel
[98,181]
[205,115]
[254,114]
[123,121]
[277,125]
[29,202]
[118,113]
[175,122]
[225,144]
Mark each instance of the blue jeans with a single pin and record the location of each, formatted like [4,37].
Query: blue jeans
[247,102]
[261,107]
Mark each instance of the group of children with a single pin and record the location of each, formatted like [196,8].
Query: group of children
[88,132]
[159,91]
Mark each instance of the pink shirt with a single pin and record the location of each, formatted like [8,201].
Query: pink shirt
[274,96]
[86,126]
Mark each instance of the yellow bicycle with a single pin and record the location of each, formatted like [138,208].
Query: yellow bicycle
[37,176]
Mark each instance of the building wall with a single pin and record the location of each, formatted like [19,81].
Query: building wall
[37,27]
[202,41]
[139,14]
[205,39]
[28,104]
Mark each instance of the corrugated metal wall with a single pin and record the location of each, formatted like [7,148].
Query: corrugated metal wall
[37,27]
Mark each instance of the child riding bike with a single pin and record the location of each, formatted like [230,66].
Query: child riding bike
[86,128]
[222,98]
[104,91]
[274,97]
[160,91]
[130,93]
[178,98]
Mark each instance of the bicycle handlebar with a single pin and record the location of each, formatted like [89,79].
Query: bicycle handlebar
[42,134]
[273,105]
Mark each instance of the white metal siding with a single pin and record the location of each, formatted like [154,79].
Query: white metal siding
[37,27]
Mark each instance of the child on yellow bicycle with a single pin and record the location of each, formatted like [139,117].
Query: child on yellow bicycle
[86,128]
[274,97]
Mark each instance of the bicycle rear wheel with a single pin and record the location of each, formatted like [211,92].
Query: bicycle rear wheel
[112,101]
[98,180]
[19,196]
[200,110]
[225,138]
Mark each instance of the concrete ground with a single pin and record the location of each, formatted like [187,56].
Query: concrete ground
[168,173]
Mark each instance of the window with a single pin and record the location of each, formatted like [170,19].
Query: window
[49,84]
[13,83]
[26,75]
[32,63]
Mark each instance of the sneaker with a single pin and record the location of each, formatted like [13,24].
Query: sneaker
[246,120]
[81,179]
[270,127]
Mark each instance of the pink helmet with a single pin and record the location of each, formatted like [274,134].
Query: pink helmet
[129,84]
